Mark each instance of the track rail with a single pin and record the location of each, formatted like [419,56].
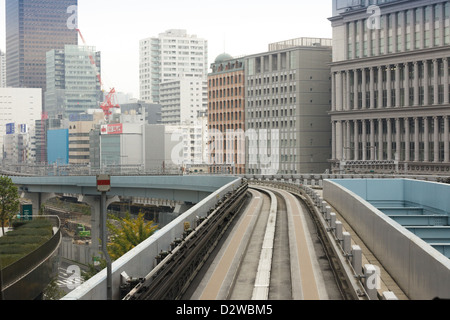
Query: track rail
[172,276]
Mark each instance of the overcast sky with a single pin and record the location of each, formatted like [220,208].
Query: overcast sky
[238,27]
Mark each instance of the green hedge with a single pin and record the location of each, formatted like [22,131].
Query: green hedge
[24,239]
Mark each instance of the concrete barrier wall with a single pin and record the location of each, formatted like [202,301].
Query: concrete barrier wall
[420,270]
[138,262]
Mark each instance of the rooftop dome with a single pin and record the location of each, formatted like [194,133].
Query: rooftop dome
[223,57]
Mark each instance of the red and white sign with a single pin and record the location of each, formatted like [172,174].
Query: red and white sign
[112,129]
[103,183]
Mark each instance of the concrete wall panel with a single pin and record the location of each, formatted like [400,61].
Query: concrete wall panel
[420,270]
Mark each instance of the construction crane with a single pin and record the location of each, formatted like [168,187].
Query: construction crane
[110,99]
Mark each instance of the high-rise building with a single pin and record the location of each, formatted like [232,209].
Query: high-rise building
[2,69]
[390,73]
[34,27]
[72,83]
[19,106]
[183,100]
[288,97]
[171,55]
[226,114]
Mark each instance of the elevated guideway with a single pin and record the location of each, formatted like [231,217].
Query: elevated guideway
[344,225]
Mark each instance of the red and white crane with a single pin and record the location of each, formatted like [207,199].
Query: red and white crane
[110,99]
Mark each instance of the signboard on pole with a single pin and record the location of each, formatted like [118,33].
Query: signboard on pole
[103,183]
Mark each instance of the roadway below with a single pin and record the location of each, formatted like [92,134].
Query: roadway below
[271,252]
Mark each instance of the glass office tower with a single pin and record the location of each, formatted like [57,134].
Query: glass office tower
[34,27]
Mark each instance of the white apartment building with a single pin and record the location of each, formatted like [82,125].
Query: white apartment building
[2,69]
[19,106]
[183,100]
[171,55]
[176,147]
[18,146]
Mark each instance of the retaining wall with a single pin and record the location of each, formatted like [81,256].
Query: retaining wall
[420,270]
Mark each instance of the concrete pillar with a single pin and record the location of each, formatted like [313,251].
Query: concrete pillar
[416,140]
[372,140]
[446,80]
[338,230]
[333,95]
[416,83]
[389,139]
[398,148]
[355,89]
[446,140]
[332,222]
[347,91]
[372,88]
[380,87]
[364,140]
[436,139]
[406,83]
[37,199]
[380,140]
[94,203]
[333,140]
[346,242]
[407,140]
[357,259]
[339,139]
[435,79]
[363,88]
[397,84]
[339,91]
[426,140]
[389,86]
[356,139]
[348,141]
[426,83]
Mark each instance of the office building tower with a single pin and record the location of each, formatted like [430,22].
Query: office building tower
[288,97]
[72,83]
[33,27]
[390,73]
[19,106]
[226,114]
[171,55]
[2,69]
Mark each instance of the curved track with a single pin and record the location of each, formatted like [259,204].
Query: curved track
[271,253]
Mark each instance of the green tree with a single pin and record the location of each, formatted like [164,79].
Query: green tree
[126,233]
[9,201]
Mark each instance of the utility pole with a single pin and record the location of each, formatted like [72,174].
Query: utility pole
[103,186]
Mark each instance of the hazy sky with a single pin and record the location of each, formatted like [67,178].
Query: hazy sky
[236,27]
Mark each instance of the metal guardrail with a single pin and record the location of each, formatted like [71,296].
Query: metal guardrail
[19,269]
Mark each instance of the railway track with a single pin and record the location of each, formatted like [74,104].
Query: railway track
[272,253]
[259,243]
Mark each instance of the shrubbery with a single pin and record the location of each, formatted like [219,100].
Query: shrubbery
[24,239]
